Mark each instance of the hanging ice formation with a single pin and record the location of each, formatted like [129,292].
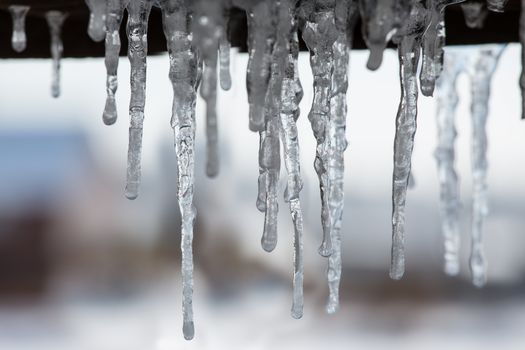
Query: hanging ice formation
[522,42]
[479,64]
[19,39]
[55,20]
[199,50]
[115,12]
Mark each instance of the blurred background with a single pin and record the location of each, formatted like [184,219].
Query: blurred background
[81,267]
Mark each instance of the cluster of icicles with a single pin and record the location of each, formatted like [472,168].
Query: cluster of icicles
[197,44]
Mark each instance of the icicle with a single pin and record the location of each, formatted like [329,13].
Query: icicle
[475,12]
[291,96]
[319,34]
[346,19]
[261,34]
[137,30]
[19,39]
[381,19]
[97,19]
[207,31]
[224,55]
[55,20]
[522,42]
[115,11]
[496,5]
[184,75]
[409,50]
[481,77]
[447,100]
[433,43]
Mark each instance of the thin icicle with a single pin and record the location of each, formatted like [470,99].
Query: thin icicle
[319,34]
[475,12]
[406,122]
[207,31]
[184,75]
[137,30]
[261,33]
[522,43]
[115,11]
[19,39]
[433,43]
[224,63]
[381,19]
[496,5]
[97,19]
[447,100]
[55,20]
[481,77]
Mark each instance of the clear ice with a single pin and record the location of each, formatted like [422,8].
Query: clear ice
[19,39]
[137,30]
[496,5]
[409,46]
[97,19]
[184,75]
[115,12]
[522,42]
[55,20]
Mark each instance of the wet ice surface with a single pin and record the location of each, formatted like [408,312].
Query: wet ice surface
[18,38]
[55,20]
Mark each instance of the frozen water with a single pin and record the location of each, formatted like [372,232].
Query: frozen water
[55,20]
[19,39]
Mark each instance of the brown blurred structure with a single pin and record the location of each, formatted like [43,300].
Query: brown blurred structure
[499,27]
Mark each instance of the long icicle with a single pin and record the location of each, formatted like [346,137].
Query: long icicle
[137,30]
[115,12]
[346,19]
[449,205]
[481,77]
[224,54]
[319,34]
[406,123]
[291,95]
[19,38]
[184,76]
[55,20]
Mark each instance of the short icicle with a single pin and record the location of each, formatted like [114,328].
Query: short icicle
[480,76]
[97,19]
[409,45]
[522,43]
[184,76]
[475,12]
[496,5]
[115,12]
[207,29]
[319,34]
[19,38]
[449,205]
[346,19]
[137,30]
[55,20]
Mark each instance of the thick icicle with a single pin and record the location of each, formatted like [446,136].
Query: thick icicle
[115,11]
[433,43]
[447,100]
[475,12]
[496,5]
[184,75]
[137,30]
[97,19]
[319,34]
[19,39]
[261,33]
[481,77]
[381,19]
[522,43]
[346,19]
[207,31]
[55,20]
[406,122]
